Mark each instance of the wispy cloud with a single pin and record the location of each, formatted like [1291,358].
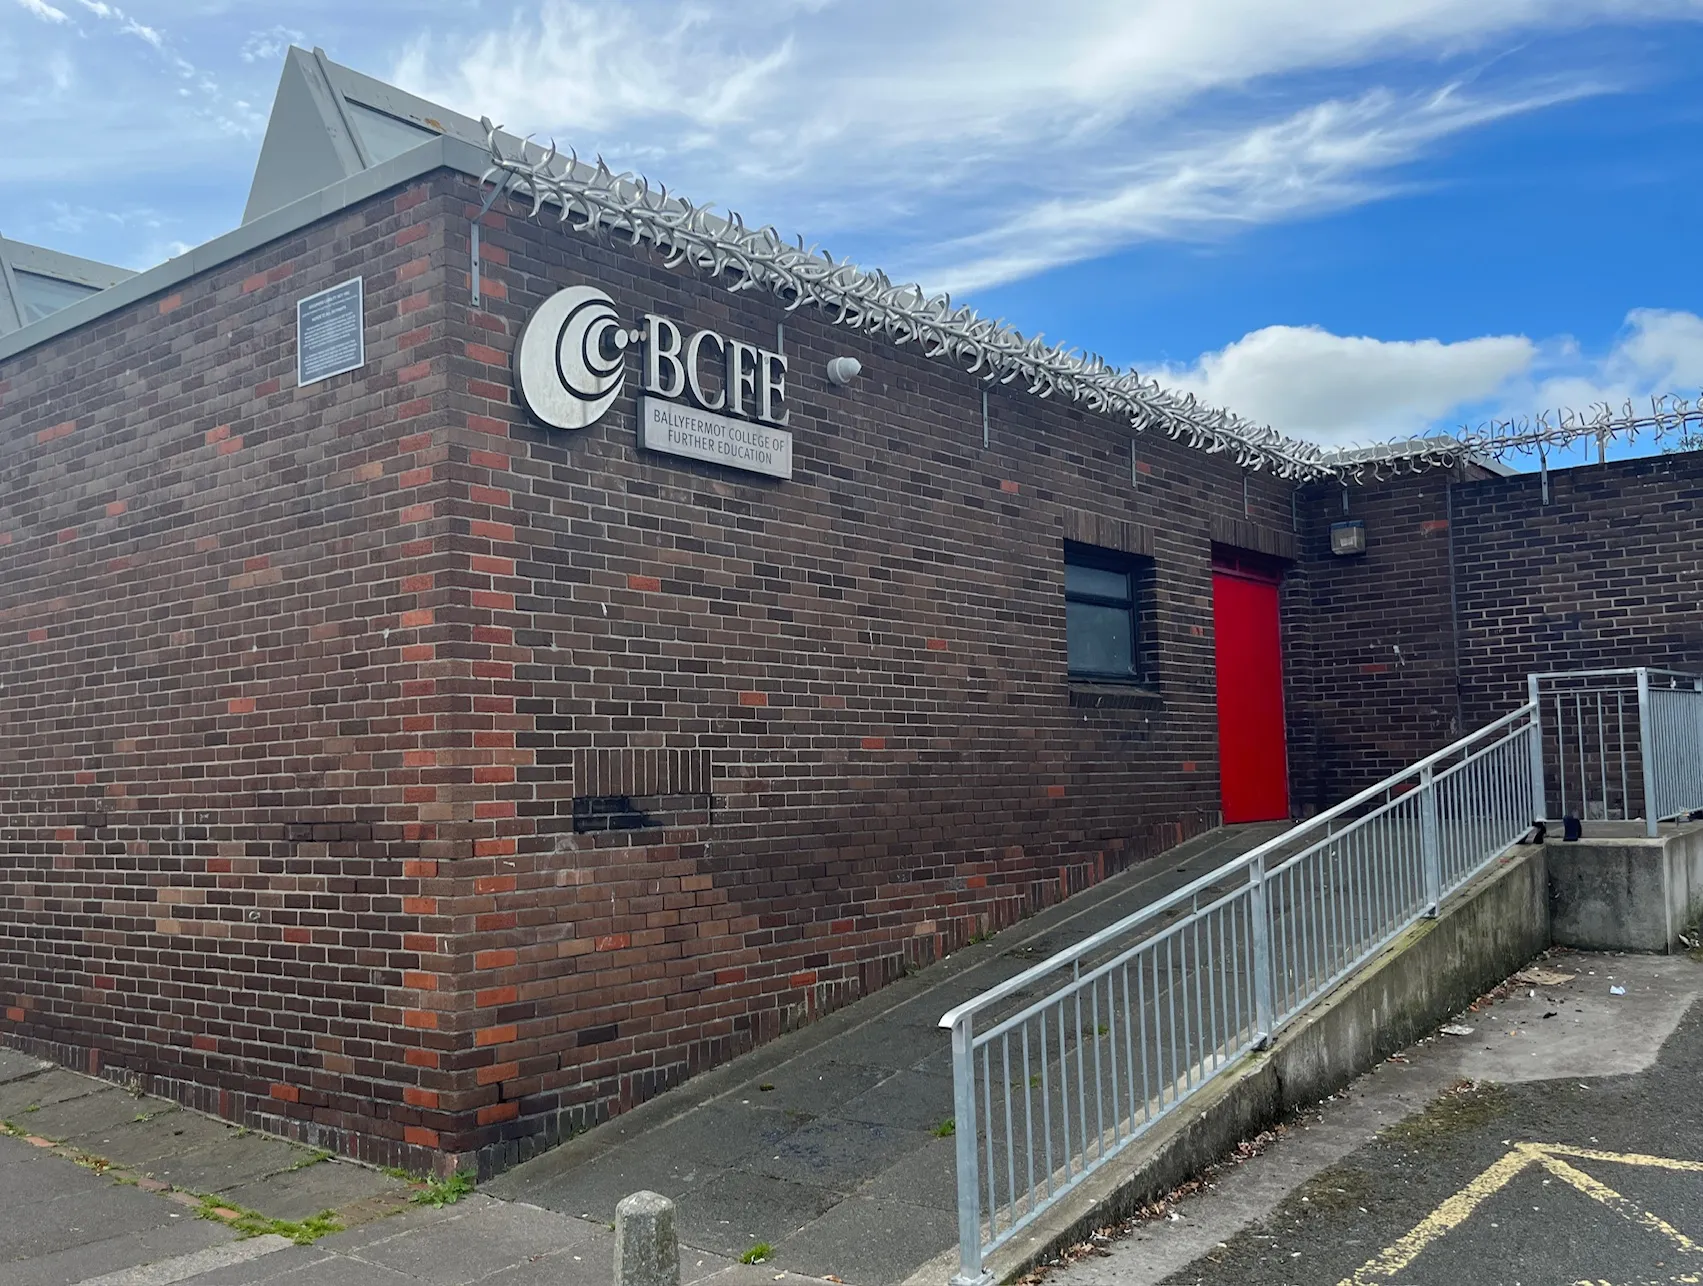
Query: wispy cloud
[999,138]
[1326,156]
[269,46]
[41,9]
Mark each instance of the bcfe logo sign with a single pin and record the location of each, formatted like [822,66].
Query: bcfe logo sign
[570,364]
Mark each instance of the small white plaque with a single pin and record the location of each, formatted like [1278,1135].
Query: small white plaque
[331,332]
[678,429]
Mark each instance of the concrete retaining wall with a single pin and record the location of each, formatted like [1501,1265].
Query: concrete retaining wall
[1433,971]
[1626,893]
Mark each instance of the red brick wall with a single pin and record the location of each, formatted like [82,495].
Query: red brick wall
[365,643]
[872,655]
[1380,691]
[1480,582]
[1607,573]
[220,704]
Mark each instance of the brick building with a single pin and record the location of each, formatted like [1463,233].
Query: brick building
[385,764]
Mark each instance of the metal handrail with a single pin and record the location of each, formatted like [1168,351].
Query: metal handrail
[1192,889]
[1202,992]
[1599,766]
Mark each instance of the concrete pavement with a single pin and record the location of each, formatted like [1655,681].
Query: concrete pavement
[103,1187]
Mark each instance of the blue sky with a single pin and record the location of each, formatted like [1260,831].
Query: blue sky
[1352,220]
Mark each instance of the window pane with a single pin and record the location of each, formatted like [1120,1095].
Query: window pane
[1097,639]
[1096,581]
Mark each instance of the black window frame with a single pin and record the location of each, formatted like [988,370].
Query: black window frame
[1137,571]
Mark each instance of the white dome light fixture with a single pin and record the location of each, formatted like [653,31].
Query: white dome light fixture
[843,370]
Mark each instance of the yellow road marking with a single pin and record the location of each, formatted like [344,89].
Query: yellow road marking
[1446,1217]
[1614,1201]
[1624,1158]
[1458,1208]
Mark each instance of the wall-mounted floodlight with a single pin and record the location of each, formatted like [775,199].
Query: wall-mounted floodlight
[843,370]
[1348,538]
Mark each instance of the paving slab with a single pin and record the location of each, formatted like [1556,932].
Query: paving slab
[334,1271]
[908,1100]
[18,1096]
[231,1162]
[815,1086]
[593,1189]
[560,1270]
[14,1065]
[830,1153]
[926,1177]
[758,1275]
[409,1219]
[323,1185]
[82,1237]
[80,1216]
[480,1238]
[736,1210]
[265,1270]
[162,1135]
[869,1240]
[105,1109]
[32,1175]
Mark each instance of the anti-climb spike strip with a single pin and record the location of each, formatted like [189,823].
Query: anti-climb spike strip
[869,301]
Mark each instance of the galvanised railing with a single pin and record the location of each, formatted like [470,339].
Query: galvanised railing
[1060,1068]
[1620,744]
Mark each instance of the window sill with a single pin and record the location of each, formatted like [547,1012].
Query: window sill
[1109,694]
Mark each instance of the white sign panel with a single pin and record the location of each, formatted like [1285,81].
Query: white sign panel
[331,332]
[679,429]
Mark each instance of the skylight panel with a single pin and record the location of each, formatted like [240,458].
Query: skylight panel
[384,135]
[40,296]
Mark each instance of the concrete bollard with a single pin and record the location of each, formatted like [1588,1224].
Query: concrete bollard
[647,1252]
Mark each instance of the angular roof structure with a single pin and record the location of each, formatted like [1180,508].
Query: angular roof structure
[36,282]
[330,123]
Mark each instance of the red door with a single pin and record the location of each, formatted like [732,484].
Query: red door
[1252,764]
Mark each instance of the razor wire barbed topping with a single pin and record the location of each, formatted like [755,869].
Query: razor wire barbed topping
[594,199]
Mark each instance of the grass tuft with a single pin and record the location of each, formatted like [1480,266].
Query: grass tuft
[758,1254]
[436,1192]
[251,1223]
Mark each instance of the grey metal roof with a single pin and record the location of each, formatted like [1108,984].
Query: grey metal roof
[329,123]
[36,282]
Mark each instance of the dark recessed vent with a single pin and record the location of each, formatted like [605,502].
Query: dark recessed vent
[595,813]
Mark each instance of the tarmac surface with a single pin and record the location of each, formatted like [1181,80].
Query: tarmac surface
[1561,1141]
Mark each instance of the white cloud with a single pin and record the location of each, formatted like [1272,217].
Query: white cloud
[1346,390]
[43,10]
[1337,389]
[270,45]
[1658,351]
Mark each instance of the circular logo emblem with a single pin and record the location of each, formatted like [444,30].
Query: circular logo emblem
[570,361]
